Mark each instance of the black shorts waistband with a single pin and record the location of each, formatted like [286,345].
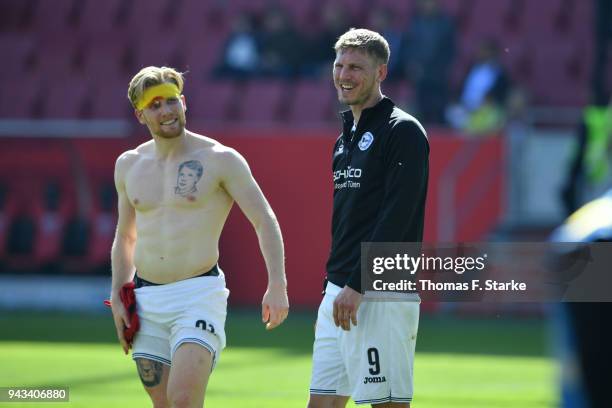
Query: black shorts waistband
[139,282]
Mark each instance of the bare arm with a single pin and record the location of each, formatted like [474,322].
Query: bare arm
[122,251]
[239,183]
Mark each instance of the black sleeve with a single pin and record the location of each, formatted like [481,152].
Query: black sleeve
[406,161]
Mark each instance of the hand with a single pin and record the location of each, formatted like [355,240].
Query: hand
[275,305]
[346,305]
[121,320]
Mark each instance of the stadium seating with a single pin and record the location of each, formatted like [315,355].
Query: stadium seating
[400,92]
[105,57]
[212,101]
[562,83]
[50,17]
[311,102]
[195,18]
[486,19]
[201,57]
[48,41]
[159,50]
[51,221]
[18,50]
[302,13]
[8,211]
[109,98]
[263,101]
[103,222]
[65,99]
[98,18]
[18,98]
[402,10]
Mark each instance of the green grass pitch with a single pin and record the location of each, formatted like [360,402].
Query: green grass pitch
[459,363]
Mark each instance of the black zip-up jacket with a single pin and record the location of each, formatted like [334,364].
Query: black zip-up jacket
[380,178]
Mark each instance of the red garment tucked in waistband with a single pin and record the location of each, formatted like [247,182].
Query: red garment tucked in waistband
[128,298]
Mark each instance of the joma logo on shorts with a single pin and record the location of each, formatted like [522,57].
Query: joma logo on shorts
[367,380]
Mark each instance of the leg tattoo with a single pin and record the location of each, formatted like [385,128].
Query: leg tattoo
[150,372]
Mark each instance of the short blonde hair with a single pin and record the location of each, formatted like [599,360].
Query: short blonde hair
[368,41]
[151,76]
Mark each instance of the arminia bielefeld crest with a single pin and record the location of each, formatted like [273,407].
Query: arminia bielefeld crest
[366,141]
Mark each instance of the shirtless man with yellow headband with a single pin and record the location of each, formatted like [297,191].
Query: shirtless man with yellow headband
[175,193]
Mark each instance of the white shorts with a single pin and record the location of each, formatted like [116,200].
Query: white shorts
[188,311]
[373,362]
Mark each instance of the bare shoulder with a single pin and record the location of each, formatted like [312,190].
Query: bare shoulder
[127,159]
[229,160]
[217,151]
[201,141]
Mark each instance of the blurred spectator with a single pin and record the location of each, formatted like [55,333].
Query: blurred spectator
[487,119]
[589,169]
[481,108]
[516,132]
[281,45]
[241,54]
[428,54]
[382,21]
[487,77]
[334,23]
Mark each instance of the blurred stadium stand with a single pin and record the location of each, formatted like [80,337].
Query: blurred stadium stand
[72,60]
[59,215]
[70,45]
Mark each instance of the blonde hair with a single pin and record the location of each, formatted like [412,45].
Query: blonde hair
[372,43]
[151,76]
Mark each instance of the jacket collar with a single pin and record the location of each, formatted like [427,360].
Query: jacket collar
[366,116]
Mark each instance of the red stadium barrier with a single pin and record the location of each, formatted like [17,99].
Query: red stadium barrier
[293,169]
[294,172]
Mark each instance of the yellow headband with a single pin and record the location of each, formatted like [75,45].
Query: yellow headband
[163,90]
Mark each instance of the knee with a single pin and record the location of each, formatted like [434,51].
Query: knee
[181,399]
[159,400]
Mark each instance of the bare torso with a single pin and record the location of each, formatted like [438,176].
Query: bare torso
[179,213]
